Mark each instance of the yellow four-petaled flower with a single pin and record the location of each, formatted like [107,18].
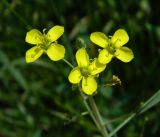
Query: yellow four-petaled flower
[86,71]
[45,43]
[112,46]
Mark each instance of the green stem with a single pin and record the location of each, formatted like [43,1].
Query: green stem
[88,108]
[98,116]
[67,62]
[92,108]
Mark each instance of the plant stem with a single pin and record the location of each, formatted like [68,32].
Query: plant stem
[67,62]
[98,117]
[88,108]
[92,108]
[94,112]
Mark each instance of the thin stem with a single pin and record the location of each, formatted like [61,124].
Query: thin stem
[98,116]
[94,112]
[67,62]
[88,107]
[92,108]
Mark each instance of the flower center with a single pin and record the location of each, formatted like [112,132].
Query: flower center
[111,48]
[85,71]
[46,42]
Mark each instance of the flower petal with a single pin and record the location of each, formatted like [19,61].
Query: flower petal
[75,76]
[124,54]
[34,36]
[120,38]
[55,32]
[33,54]
[82,58]
[89,85]
[99,38]
[56,52]
[104,56]
[95,67]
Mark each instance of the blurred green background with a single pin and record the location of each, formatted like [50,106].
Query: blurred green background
[36,100]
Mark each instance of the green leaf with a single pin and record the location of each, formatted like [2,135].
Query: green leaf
[121,125]
[15,72]
[155,99]
[152,101]
[17,75]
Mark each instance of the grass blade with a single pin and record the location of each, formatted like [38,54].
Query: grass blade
[152,101]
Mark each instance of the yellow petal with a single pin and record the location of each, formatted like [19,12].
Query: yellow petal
[56,52]
[33,54]
[75,76]
[82,58]
[95,67]
[120,38]
[34,36]
[104,56]
[89,85]
[99,38]
[55,32]
[124,54]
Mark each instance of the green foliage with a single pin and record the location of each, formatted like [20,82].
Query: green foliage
[36,100]
[146,106]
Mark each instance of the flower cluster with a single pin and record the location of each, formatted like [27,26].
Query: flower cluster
[87,69]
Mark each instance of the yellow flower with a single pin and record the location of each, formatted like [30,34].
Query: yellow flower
[45,43]
[112,46]
[86,71]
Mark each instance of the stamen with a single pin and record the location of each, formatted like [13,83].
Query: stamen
[44,30]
